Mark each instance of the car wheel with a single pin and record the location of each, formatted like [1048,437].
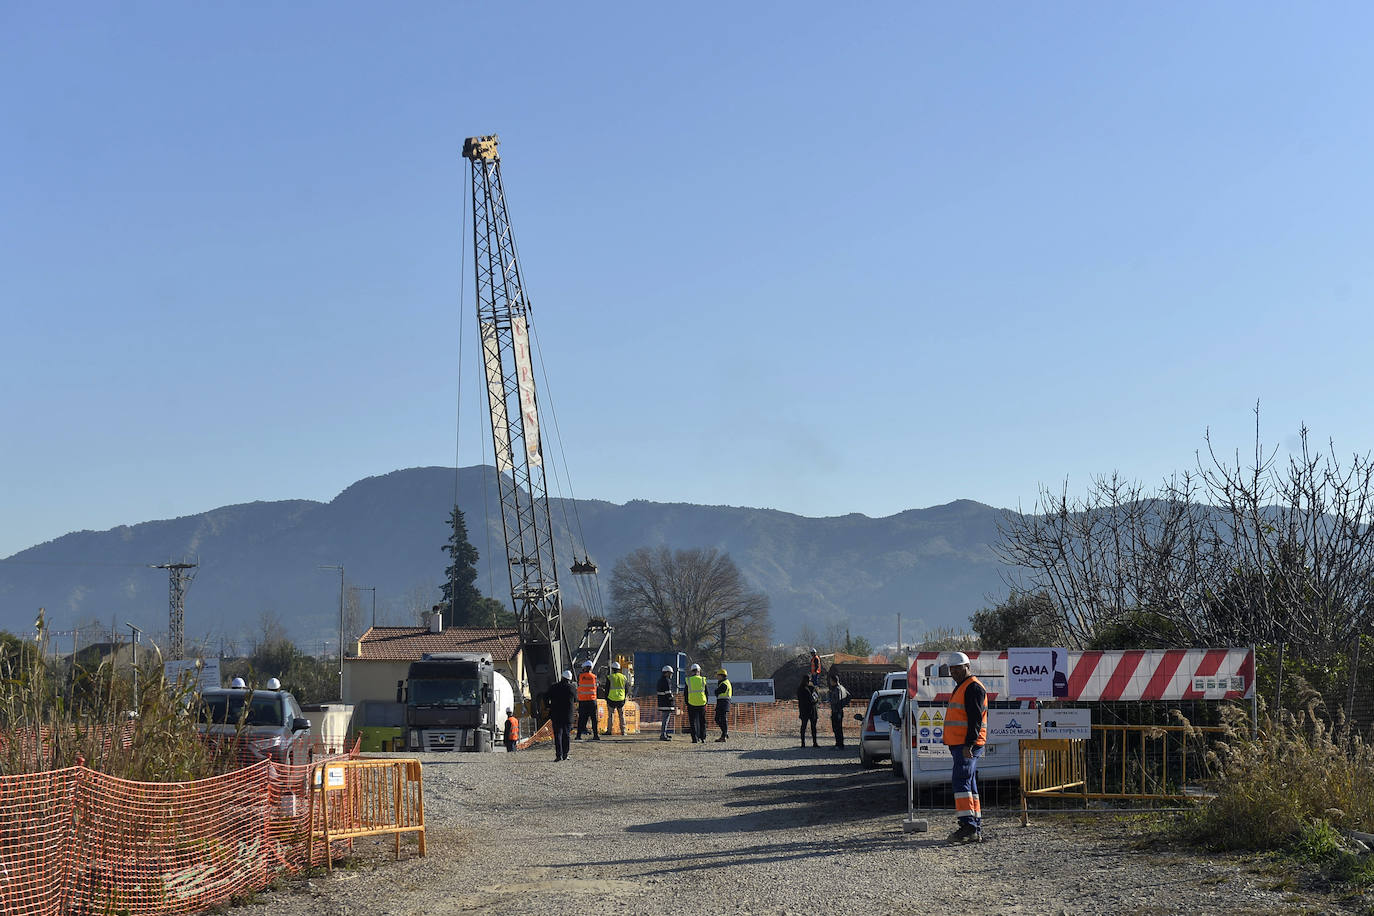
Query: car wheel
[864,759]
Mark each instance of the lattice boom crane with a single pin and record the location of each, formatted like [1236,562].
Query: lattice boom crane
[503,325]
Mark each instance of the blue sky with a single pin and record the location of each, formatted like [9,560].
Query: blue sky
[781,254]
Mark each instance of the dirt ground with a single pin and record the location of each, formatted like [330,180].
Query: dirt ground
[754,825]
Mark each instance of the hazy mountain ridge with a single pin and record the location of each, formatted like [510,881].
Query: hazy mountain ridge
[934,566]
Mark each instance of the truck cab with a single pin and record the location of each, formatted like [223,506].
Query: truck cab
[451,703]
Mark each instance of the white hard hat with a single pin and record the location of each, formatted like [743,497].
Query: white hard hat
[586,664]
[567,674]
[615,666]
[956,658]
[238,682]
[273,684]
[667,669]
[696,667]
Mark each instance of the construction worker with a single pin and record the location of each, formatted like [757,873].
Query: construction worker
[723,693]
[966,733]
[615,700]
[695,691]
[666,707]
[562,700]
[815,669]
[512,731]
[586,702]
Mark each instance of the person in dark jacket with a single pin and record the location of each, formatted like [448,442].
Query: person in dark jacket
[808,698]
[562,699]
[723,693]
[667,706]
[839,699]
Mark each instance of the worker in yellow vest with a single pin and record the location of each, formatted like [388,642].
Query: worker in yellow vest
[966,732]
[511,733]
[695,689]
[586,702]
[723,693]
[615,700]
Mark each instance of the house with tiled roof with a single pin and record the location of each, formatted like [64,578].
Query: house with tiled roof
[383,655]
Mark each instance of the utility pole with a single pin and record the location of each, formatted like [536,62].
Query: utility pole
[373,590]
[341,625]
[176,625]
[136,634]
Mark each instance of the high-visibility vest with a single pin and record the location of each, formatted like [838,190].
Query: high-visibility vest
[615,688]
[586,686]
[512,728]
[956,717]
[723,690]
[815,665]
[696,690]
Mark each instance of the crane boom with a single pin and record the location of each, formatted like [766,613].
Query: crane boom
[503,324]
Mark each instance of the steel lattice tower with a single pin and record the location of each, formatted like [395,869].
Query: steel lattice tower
[503,323]
[176,625]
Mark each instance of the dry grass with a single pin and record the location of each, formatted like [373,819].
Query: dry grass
[1299,771]
[51,719]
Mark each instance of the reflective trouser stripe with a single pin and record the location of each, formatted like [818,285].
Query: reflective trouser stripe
[967,803]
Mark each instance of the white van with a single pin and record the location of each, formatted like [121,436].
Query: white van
[895,680]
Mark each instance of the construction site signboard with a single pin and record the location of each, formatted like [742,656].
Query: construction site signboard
[1066,723]
[760,691]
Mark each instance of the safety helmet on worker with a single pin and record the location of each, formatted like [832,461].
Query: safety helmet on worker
[615,666]
[273,684]
[567,675]
[955,659]
[667,669]
[238,682]
[586,664]
[695,668]
[723,673]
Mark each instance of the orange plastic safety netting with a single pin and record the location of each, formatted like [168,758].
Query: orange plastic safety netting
[79,841]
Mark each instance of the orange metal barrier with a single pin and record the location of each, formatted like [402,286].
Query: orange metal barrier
[79,841]
[362,797]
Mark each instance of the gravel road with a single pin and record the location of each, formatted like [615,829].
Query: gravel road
[756,825]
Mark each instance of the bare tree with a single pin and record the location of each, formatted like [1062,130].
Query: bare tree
[689,600]
[1235,552]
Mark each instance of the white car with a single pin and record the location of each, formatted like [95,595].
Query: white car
[930,758]
[874,744]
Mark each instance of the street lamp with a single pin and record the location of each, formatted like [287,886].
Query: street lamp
[373,590]
[341,625]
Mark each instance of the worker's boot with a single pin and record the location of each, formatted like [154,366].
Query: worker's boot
[967,833]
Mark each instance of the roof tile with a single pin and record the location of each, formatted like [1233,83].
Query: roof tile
[410,643]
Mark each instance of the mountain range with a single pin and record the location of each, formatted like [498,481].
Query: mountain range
[933,566]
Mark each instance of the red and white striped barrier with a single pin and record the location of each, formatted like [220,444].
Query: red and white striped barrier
[1099,677]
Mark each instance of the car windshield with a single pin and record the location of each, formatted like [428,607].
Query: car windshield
[884,704]
[444,692]
[226,709]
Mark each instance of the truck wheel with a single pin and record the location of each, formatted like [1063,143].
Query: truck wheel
[483,741]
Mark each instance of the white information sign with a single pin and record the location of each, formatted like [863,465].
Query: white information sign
[751,691]
[1012,724]
[1066,723]
[1037,673]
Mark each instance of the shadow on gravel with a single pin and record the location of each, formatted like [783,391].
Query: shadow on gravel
[756,854]
[801,753]
[793,803]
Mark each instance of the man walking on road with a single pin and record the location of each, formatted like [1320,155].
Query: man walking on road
[667,695]
[965,735]
[615,700]
[839,699]
[586,702]
[562,699]
[723,693]
[695,690]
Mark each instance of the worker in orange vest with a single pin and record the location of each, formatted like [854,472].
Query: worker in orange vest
[586,702]
[815,669]
[966,732]
[512,732]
